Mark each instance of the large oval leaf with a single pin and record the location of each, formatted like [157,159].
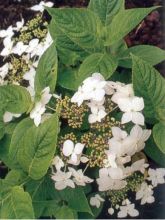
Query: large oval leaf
[76,31]
[19,133]
[38,147]
[151,54]
[106,9]
[159,136]
[149,84]
[46,74]
[17,205]
[124,22]
[15,99]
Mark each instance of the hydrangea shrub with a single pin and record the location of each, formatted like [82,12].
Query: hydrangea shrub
[79,114]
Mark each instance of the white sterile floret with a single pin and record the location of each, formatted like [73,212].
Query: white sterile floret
[145,193]
[62,180]
[96,200]
[118,144]
[72,151]
[139,165]
[8,116]
[33,44]
[79,178]
[111,160]
[7,33]
[139,136]
[29,76]
[41,5]
[127,210]
[96,116]
[4,70]
[58,163]
[19,25]
[79,96]
[8,45]
[105,181]
[156,176]
[39,108]
[122,91]
[94,86]
[19,48]
[132,108]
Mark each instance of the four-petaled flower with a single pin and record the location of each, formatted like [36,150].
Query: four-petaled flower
[96,200]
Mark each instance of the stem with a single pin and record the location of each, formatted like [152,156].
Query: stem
[86,168]
[50,108]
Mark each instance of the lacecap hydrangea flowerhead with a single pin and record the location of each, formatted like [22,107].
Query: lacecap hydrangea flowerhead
[113,146]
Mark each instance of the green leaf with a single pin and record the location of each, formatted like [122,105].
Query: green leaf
[154,152]
[76,199]
[77,32]
[97,62]
[18,135]
[159,136]
[124,22]
[65,212]
[151,54]
[106,9]
[150,85]
[38,147]
[16,205]
[46,74]
[4,152]
[15,99]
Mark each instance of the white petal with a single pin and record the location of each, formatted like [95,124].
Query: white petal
[60,185]
[124,104]
[111,211]
[68,147]
[127,117]
[137,118]
[138,104]
[78,148]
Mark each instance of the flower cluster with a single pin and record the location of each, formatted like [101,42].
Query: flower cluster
[103,131]
[113,148]
[24,45]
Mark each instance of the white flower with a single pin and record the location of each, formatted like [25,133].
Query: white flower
[139,165]
[156,176]
[7,33]
[109,88]
[118,143]
[69,150]
[8,116]
[110,161]
[32,47]
[19,25]
[122,91]
[37,112]
[96,200]
[19,48]
[96,116]
[79,178]
[30,75]
[132,108]
[4,70]
[94,86]
[62,180]
[139,136]
[39,108]
[79,96]
[41,5]
[84,159]
[145,193]
[106,183]
[58,163]
[111,211]
[128,209]
[8,45]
